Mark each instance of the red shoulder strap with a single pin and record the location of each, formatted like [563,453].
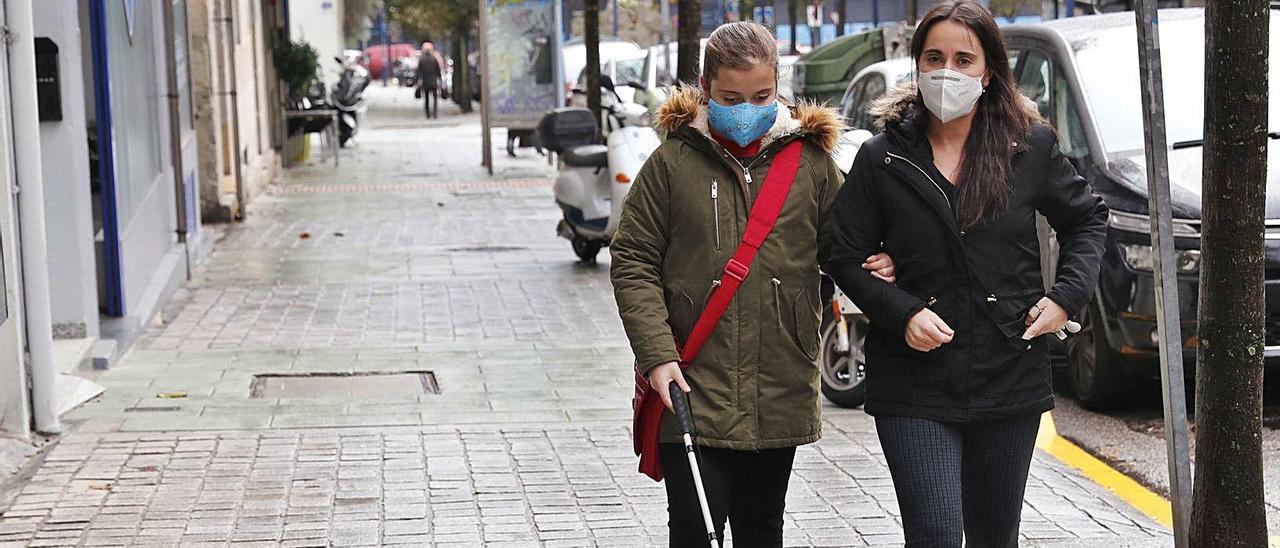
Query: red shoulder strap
[764,214]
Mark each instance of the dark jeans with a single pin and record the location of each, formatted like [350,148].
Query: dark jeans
[959,482]
[747,487]
[431,96]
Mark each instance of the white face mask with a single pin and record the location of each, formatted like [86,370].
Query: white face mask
[949,94]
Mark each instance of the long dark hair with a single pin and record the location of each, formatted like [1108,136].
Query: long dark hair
[999,121]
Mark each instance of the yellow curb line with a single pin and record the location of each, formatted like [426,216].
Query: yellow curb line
[1130,491]
[1154,506]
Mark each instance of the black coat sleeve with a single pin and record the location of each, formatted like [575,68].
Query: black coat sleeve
[1079,217]
[856,230]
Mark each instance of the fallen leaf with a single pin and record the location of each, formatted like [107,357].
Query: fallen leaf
[171,395]
[100,486]
[150,468]
[339,234]
[305,236]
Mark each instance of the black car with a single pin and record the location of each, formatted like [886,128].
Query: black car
[1083,74]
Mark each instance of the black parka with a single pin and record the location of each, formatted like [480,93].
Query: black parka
[981,280]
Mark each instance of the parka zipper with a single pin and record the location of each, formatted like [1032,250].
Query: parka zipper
[715,204]
[926,176]
[777,297]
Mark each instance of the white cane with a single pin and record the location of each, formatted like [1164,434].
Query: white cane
[680,401]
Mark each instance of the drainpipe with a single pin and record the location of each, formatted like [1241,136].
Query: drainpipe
[229,42]
[175,131]
[31,225]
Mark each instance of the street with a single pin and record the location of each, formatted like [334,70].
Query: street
[1132,439]
[401,351]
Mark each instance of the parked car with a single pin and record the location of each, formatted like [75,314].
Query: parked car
[823,74]
[375,57]
[1082,72]
[869,85]
[622,70]
[575,57]
[786,65]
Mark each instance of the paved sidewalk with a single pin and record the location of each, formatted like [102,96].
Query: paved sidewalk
[410,260]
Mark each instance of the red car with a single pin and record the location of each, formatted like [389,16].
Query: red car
[375,57]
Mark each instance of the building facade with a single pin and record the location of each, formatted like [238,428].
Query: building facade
[126,130]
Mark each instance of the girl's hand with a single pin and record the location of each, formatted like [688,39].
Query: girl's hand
[881,266]
[926,331]
[662,376]
[1045,317]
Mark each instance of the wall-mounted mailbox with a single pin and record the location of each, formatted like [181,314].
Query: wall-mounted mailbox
[48,89]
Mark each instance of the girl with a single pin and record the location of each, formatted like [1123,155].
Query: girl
[754,386]
[957,365]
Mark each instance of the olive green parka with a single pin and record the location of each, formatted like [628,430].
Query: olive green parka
[755,383]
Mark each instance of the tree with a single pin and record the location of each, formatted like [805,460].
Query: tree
[912,11]
[591,39]
[839,16]
[1228,506]
[355,16]
[792,15]
[688,36]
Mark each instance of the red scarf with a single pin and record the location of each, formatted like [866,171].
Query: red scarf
[748,151]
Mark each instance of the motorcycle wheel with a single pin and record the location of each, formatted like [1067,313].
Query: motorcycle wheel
[586,250]
[843,376]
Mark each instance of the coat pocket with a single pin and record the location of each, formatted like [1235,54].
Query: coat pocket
[1009,311]
[798,317]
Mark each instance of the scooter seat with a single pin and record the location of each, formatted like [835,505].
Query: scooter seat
[586,156]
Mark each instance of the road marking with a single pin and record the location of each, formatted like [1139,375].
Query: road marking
[1144,500]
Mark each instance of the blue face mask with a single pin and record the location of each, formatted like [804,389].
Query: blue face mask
[742,123]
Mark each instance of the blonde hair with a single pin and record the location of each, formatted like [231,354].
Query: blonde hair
[740,45]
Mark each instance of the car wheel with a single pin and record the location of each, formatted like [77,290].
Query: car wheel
[1094,369]
[585,250]
[843,375]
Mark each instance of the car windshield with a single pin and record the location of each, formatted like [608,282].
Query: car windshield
[1115,100]
[631,70]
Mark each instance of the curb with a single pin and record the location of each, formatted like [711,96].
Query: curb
[1140,498]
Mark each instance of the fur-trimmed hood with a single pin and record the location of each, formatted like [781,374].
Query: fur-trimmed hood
[897,103]
[687,107]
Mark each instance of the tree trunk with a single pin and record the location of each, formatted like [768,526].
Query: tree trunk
[840,11]
[591,39]
[1228,507]
[792,15]
[462,91]
[911,11]
[689,50]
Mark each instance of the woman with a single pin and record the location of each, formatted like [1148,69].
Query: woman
[958,371]
[754,386]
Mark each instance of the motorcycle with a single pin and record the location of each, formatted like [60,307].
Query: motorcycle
[348,97]
[406,71]
[594,179]
[842,359]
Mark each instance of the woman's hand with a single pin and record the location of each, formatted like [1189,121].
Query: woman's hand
[662,376]
[881,266]
[926,331]
[1045,317]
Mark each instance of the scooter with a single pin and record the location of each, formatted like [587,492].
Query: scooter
[348,97]
[842,361]
[594,179]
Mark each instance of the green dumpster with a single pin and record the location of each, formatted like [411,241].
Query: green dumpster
[822,74]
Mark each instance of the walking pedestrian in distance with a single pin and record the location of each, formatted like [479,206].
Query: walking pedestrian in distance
[754,386]
[958,370]
[429,71]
